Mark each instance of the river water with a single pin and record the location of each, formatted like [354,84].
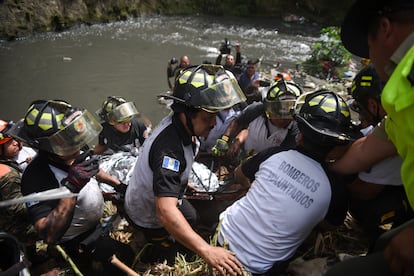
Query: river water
[86,64]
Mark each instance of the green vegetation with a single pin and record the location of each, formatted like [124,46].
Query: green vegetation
[329,58]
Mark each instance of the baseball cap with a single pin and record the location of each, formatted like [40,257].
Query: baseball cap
[354,31]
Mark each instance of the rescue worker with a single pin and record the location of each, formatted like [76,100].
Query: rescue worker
[384,32]
[13,219]
[59,131]
[124,129]
[154,199]
[174,71]
[263,125]
[291,191]
[378,200]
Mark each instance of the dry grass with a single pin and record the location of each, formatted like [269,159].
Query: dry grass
[326,244]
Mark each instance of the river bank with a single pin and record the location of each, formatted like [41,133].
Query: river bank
[20,18]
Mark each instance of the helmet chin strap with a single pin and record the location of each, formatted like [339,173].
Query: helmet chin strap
[188,114]
[377,117]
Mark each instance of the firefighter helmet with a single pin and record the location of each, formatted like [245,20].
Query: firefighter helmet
[207,87]
[324,118]
[4,127]
[365,85]
[117,109]
[280,99]
[56,127]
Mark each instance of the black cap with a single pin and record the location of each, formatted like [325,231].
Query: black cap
[354,31]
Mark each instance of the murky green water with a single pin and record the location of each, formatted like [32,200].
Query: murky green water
[88,63]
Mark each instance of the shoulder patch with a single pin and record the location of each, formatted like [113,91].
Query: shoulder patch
[170,164]
[31,203]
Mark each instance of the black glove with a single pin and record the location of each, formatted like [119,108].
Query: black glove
[121,188]
[81,171]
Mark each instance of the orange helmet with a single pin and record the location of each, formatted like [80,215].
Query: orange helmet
[283,76]
[4,127]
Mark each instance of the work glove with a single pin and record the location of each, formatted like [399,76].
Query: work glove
[80,172]
[121,188]
[221,147]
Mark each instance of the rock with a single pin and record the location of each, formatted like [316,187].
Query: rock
[313,267]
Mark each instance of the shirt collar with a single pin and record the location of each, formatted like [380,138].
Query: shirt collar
[399,54]
[182,131]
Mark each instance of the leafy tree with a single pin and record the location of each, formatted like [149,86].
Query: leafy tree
[329,57]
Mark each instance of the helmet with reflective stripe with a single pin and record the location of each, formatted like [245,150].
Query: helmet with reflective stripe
[365,85]
[57,127]
[116,109]
[324,118]
[280,99]
[4,127]
[207,87]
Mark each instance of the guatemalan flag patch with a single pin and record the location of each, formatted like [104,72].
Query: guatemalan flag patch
[170,164]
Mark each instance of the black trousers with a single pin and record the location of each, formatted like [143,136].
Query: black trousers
[95,259]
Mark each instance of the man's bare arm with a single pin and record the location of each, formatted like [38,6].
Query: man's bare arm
[52,227]
[176,224]
[240,178]
[364,153]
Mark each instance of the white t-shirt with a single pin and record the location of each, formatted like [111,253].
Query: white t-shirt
[26,153]
[88,209]
[385,172]
[290,195]
[262,136]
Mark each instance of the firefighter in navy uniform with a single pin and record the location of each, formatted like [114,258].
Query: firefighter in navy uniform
[59,131]
[124,128]
[154,200]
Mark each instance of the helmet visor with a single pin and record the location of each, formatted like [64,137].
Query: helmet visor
[280,109]
[338,135]
[123,112]
[355,106]
[300,101]
[221,96]
[81,131]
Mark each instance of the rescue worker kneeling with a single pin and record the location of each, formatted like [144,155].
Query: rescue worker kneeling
[59,131]
[154,200]
[291,190]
